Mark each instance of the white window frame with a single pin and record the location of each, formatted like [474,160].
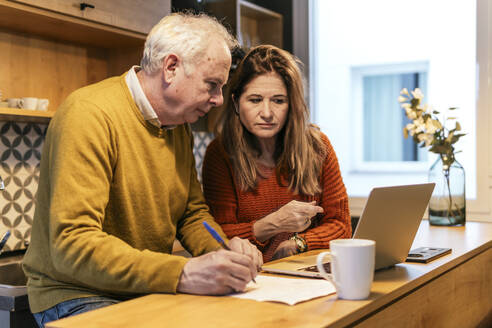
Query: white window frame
[359,164]
[479,208]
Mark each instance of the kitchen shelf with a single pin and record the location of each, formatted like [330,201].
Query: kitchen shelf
[56,26]
[259,25]
[25,115]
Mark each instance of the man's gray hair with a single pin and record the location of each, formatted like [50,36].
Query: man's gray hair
[185,34]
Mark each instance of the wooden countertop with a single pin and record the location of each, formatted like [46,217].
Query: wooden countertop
[389,286]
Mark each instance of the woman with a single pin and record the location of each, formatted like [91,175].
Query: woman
[270,176]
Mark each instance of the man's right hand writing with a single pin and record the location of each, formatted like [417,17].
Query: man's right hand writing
[216,273]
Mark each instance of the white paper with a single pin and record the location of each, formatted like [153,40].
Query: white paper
[286,290]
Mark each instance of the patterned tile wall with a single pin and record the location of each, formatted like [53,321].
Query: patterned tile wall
[20,151]
[201,139]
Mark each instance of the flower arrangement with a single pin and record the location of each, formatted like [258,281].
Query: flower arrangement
[427,129]
[447,206]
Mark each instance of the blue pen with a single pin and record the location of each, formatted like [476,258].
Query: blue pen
[218,238]
[216,235]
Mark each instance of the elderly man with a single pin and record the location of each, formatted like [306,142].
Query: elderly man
[118,183]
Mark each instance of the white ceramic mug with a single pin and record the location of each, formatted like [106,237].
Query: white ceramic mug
[43,104]
[29,103]
[352,267]
[14,102]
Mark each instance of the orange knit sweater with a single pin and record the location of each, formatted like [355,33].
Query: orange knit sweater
[236,210]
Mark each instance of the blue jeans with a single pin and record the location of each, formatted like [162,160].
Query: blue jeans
[72,307]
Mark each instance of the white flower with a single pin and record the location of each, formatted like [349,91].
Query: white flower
[425,137]
[402,99]
[426,128]
[412,115]
[406,106]
[410,128]
[420,124]
[417,93]
[430,126]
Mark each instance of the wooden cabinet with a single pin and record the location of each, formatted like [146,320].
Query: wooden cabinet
[133,15]
[253,24]
[45,53]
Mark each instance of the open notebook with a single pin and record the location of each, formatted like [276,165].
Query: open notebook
[391,217]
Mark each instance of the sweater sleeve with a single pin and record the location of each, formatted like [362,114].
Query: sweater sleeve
[191,224]
[80,159]
[220,192]
[334,223]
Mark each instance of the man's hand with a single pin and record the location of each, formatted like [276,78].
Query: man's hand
[221,272]
[286,248]
[243,246]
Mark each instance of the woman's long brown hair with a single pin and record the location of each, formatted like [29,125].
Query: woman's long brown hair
[299,150]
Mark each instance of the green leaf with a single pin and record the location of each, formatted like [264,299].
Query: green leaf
[456,137]
[437,124]
[452,108]
[440,149]
[450,137]
[458,126]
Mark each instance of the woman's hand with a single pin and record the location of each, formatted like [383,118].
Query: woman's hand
[286,248]
[294,216]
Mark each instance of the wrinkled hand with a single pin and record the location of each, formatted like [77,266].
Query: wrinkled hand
[286,248]
[221,272]
[243,246]
[296,216]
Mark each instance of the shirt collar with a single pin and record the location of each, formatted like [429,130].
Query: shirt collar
[141,100]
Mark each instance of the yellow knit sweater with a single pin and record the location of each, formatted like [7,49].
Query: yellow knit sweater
[114,192]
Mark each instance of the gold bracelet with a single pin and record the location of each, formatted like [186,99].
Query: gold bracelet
[300,243]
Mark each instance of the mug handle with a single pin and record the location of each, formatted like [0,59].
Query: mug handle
[20,103]
[328,276]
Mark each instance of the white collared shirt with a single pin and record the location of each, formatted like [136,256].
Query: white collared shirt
[141,99]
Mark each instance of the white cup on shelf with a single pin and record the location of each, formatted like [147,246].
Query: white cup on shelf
[29,103]
[352,267]
[13,102]
[43,104]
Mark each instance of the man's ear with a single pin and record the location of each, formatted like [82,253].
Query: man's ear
[170,65]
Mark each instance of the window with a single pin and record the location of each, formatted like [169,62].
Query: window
[361,56]
[379,138]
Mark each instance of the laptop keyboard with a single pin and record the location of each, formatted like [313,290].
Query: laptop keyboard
[314,268]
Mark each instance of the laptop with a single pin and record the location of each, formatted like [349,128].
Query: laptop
[391,217]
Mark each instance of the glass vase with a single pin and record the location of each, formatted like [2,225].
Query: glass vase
[447,206]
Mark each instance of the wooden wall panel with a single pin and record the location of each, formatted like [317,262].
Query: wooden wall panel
[460,298]
[121,59]
[36,67]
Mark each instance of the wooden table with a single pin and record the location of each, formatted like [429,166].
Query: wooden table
[452,291]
